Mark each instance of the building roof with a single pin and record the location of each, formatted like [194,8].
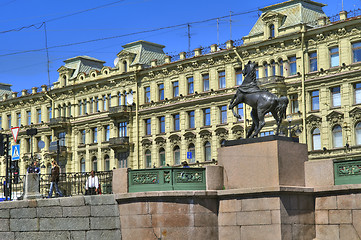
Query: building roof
[294,12]
[5,89]
[144,52]
[83,64]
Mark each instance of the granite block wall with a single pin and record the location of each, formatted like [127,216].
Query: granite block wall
[80,217]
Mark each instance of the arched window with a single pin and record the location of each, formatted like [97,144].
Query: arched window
[69,109]
[223,142]
[337,136]
[280,64]
[106,163]
[358,133]
[148,159]
[64,111]
[125,66]
[316,139]
[119,99]
[95,164]
[130,97]
[272,30]
[207,152]
[192,150]
[176,155]
[59,111]
[82,165]
[125,98]
[265,69]
[273,68]
[161,157]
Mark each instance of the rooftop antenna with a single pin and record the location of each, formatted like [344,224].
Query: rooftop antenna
[342,5]
[189,37]
[218,31]
[230,24]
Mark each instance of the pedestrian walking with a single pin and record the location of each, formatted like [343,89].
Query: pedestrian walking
[54,180]
[92,184]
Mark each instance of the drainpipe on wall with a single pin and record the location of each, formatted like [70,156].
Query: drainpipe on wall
[137,118]
[244,105]
[304,132]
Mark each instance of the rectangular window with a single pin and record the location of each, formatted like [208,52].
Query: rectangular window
[39,115]
[356,52]
[313,62]
[1,122]
[257,73]
[358,93]
[190,85]
[97,104]
[175,89]
[91,106]
[162,124]
[223,115]
[263,134]
[176,122]
[80,108]
[294,103]
[334,57]
[147,94]
[107,132]
[50,113]
[122,129]
[28,114]
[336,96]
[104,103]
[9,121]
[148,127]
[222,79]
[109,101]
[273,68]
[61,137]
[95,135]
[83,137]
[85,107]
[240,110]
[205,78]
[191,122]
[161,91]
[293,65]
[19,119]
[239,76]
[207,117]
[315,100]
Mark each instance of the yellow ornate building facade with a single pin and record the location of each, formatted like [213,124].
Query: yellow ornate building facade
[151,109]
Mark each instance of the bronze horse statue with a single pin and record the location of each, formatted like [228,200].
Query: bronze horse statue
[261,101]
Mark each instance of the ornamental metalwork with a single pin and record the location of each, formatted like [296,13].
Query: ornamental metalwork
[145,178]
[167,176]
[189,177]
[349,169]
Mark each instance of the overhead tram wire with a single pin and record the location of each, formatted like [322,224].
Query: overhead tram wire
[57,18]
[125,35]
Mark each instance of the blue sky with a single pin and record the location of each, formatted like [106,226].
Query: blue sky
[26,70]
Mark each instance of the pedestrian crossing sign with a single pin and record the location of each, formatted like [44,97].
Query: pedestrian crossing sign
[15,153]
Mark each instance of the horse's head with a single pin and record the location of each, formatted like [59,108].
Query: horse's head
[248,68]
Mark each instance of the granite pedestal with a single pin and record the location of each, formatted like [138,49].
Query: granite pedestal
[32,184]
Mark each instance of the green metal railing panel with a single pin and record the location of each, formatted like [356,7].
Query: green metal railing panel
[347,172]
[166,179]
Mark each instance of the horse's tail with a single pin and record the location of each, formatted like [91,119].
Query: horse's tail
[282,106]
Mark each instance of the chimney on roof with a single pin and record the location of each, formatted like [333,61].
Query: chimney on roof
[197,52]
[343,15]
[322,21]
[14,94]
[167,59]
[24,92]
[34,90]
[214,48]
[153,63]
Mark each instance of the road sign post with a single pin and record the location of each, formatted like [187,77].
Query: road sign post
[15,152]
[15,132]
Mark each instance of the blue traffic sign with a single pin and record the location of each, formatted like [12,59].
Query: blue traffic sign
[189,155]
[15,153]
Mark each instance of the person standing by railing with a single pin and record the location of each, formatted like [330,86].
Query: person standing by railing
[92,184]
[54,180]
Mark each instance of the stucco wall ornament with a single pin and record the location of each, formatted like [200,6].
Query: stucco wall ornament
[313,121]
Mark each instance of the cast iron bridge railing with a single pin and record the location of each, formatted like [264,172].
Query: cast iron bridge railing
[69,183]
[167,179]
